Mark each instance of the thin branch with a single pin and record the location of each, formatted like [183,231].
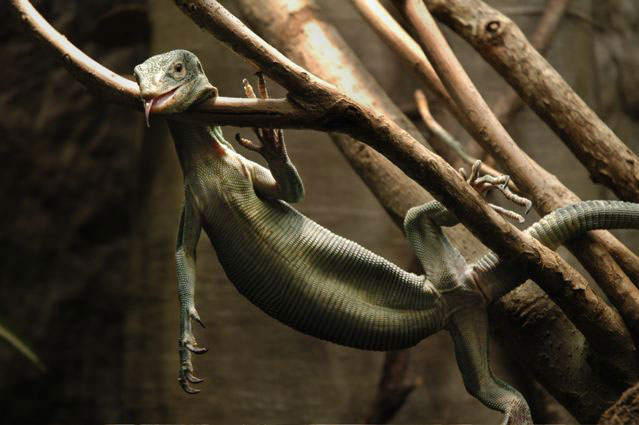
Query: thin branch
[295,29]
[103,82]
[495,36]
[546,191]
[397,38]
[574,295]
[346,115]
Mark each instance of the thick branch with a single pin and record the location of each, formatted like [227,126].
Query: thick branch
[506,48]
[572,293]
[420,164]
[509,103]
[544,188]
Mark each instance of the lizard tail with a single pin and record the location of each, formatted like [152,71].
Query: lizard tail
[553,230]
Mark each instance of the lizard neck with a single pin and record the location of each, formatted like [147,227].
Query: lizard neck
[196,144]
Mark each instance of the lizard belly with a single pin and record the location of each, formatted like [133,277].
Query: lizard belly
[320,283]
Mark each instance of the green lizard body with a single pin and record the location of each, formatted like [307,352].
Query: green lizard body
[320,283]
[294,269]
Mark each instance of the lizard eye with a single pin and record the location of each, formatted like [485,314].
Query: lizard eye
[178,70]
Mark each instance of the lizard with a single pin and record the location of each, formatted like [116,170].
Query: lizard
[315,281]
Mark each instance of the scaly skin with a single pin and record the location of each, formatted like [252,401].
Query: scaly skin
[299,272]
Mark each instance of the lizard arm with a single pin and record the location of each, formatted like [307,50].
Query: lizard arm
[188,235]
[279,181]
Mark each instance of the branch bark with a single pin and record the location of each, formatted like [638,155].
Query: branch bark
[296,29]
[346,115]
[509,103]
[544,188]
[546,191]
[506,48]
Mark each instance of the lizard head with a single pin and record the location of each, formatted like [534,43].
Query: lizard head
[171,82]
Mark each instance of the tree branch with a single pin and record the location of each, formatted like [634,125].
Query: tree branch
[103,82]
[494,35]
[509,103]
[346,115]
[544,188]
[573,294]
[296,29]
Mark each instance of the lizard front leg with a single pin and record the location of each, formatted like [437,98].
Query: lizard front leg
[280,180]
[188,236]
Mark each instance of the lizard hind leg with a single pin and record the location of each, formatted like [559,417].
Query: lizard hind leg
[469,330]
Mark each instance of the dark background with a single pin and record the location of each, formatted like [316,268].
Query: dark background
[89,203]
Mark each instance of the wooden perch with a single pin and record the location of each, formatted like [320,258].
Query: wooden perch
[546,191]
[509,103]
[494,35]
[599,322]
[574,295]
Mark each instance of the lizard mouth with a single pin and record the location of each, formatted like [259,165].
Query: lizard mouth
[155,104]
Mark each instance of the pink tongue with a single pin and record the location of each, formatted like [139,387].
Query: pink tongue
[147,109]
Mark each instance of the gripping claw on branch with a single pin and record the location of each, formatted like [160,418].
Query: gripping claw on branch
[271,140]
[482,184]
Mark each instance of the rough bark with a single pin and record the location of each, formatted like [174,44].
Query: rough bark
[525,318]
[506,48]
[534,181]
[383,180]
[625,410]
[510,102]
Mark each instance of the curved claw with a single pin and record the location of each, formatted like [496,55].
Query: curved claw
[186,387]
[196,350]
[192,379]
[196,317]
[246,143]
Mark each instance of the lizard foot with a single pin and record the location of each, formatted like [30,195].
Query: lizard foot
[186,378]
[483,184]
[188,345]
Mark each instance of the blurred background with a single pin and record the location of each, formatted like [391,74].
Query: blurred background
[90,200]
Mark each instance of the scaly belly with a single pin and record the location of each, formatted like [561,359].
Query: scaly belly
[319,283]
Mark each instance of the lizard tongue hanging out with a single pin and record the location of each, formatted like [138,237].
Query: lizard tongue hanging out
[159,103]
[148,104]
